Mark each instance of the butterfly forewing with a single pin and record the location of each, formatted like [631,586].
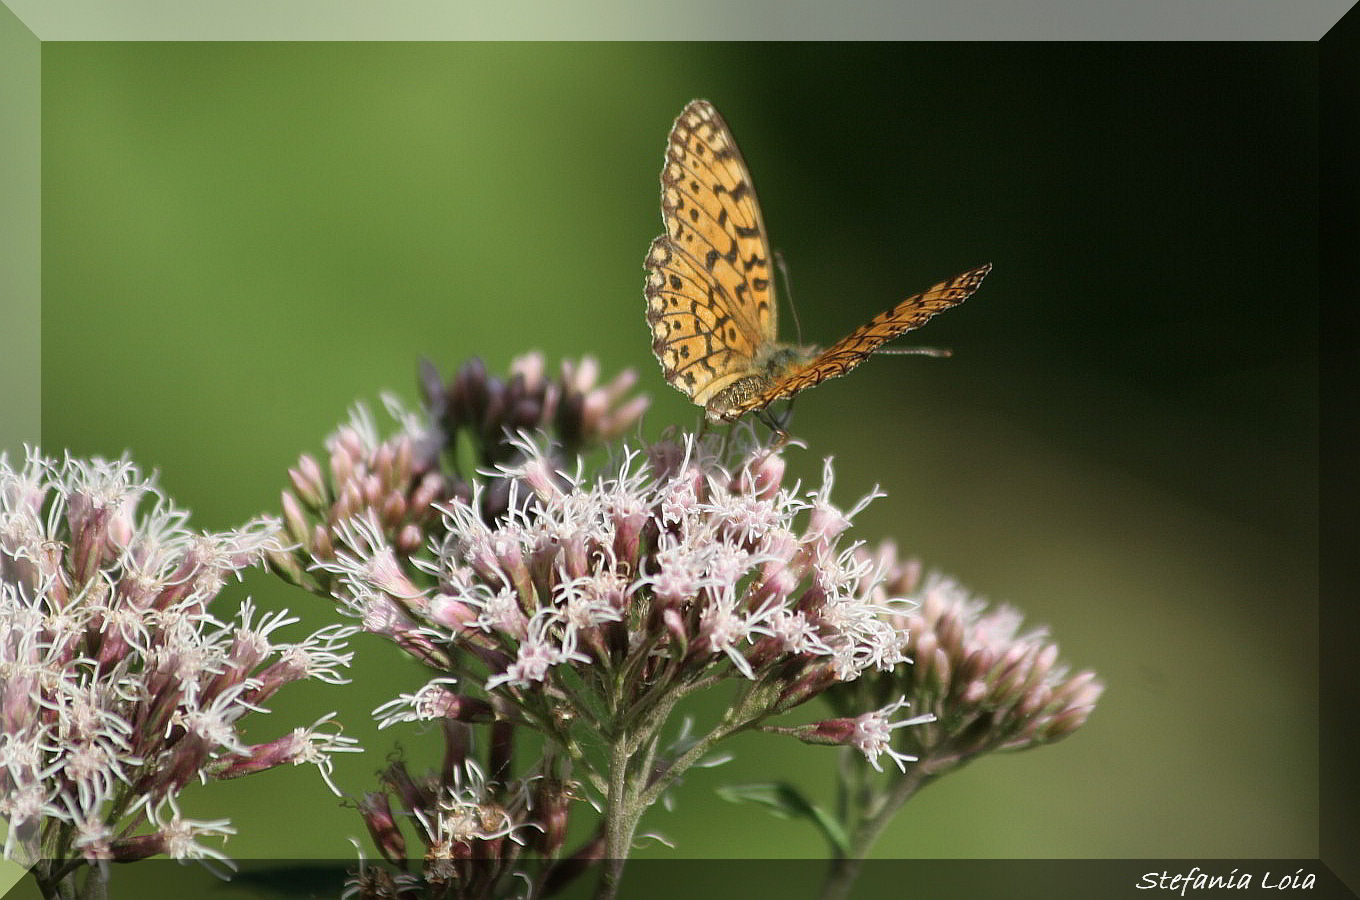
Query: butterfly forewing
[856,346]
[710,302]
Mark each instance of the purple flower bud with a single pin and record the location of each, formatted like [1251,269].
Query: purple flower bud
[1064,723]
[524,413]
[1031,703]
[467,397]
[829,731]
[412,794]
[350,502]
[1082,689]
[321,545]
[262,757]
[581,376]
[973,694]
[142,846]
[624,418]
[552,807]
[394,511]
[432,390]
[529,368]
[675,625]
[382,827]
[430,489]
[762,476]
[451,613]
[493,404]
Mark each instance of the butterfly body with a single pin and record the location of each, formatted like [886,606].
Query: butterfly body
[710,298]
[774,363]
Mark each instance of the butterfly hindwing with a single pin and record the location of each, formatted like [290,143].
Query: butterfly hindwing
[697,344]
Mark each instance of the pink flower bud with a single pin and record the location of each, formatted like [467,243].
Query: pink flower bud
[762,476]
[451,613]
[342,464]
[293,517]
[429,491]
[308,482]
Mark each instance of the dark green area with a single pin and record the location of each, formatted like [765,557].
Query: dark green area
[239,240]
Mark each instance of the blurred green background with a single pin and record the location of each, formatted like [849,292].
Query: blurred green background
[240,240]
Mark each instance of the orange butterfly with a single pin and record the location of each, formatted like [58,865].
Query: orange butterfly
[710,296]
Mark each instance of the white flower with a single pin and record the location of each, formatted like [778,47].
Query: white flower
[181,836]
[873,734]
[549,642]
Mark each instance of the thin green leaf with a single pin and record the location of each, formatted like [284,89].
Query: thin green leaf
[788,802]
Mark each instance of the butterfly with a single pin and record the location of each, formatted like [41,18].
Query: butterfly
[710,296]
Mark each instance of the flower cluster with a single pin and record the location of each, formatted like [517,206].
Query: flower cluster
[603,599]
[989,684]
[578,411]
[467,423]
[118,686]
[672,567]
[393,482]
[478,835]
[585,606]
[594,604]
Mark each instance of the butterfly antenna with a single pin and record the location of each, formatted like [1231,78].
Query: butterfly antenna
[783,268]
[916,351]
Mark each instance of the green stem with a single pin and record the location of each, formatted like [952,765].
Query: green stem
[622,812]
[63,880]
[845,868]
[96,886]
[632,791]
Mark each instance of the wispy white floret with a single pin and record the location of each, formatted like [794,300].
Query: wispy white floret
[873,734]
[421,706]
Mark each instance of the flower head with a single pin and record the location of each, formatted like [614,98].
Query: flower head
[870,733]
[673,564]
[989,683]
[117,682]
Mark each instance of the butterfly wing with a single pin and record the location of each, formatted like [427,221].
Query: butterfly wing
[856,346]
[710,301]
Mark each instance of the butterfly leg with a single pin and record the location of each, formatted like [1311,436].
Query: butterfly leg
[781,436]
